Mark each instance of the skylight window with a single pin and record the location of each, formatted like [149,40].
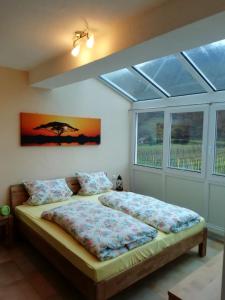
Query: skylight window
[130,84]
[171,75]
[194,71]
[209,60]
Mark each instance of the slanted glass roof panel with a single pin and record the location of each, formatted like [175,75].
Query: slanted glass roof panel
[130,84]
[210,61]
[170,74]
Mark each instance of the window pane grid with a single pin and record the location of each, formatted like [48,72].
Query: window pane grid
[150,139]
[170,74]
[116,88]
[186,141]
[210,60]
[130,84]
[196,93]
[195,67]
[219,157]
[153,82]
[183,143]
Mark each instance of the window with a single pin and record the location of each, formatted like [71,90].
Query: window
[150,127]
[171,75]
[209,60]
[182,139]
[132,85]
[219,162]
[186,141]
[193,71]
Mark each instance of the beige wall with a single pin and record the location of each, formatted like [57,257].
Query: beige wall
[89,99]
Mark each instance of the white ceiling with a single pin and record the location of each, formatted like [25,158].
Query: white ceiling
[34,31]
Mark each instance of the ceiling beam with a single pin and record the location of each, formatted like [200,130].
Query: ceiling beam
[154,33]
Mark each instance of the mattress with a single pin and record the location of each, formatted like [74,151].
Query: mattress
[80,257]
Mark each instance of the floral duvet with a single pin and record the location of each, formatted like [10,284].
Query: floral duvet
[161,215]
[104,232]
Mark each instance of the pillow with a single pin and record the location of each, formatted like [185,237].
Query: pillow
[93,183]
[47,191]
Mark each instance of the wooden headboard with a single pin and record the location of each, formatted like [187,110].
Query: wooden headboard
[18,193]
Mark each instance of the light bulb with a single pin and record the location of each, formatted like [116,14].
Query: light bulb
[90,41]
[76,50]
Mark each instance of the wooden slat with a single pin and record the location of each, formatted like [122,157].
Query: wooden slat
[18,195]
[153,263]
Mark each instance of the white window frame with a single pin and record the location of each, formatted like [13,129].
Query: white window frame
[168,123]
[166,141]
[213,177]
[134,142]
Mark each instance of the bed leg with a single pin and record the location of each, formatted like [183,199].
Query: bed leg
[202,247]
[100,291]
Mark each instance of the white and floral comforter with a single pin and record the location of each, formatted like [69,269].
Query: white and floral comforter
[104,232]
[161,215]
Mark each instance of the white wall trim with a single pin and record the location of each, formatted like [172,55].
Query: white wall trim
[216,229]
[146,169]
[216,182]
[189,100]
[223,278]
[212,177]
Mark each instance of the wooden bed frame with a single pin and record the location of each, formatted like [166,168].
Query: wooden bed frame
[106,288]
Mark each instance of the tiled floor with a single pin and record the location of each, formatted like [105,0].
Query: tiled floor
[26,275]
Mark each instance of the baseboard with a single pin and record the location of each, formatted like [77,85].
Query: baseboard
[215,232]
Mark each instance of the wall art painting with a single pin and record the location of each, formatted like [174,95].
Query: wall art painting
[51,130]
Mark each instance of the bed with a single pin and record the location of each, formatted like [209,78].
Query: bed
[94,279]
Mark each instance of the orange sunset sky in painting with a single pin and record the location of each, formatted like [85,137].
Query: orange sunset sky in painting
[87,126]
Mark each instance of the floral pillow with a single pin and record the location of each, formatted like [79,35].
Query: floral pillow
[47,191]
[93,183]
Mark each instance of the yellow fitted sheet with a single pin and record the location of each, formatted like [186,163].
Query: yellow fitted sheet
[80,257]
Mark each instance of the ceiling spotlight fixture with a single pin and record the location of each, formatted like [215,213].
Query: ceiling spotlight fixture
[77,38]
